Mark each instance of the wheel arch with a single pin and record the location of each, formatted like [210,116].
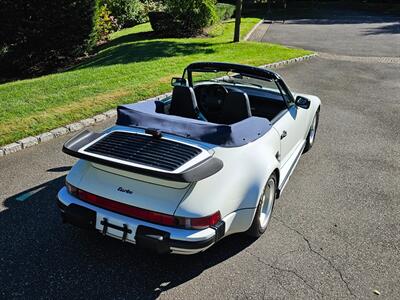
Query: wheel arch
[277,174]
[274,172]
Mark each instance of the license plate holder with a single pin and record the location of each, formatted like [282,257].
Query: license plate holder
[124,228]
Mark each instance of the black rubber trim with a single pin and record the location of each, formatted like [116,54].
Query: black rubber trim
[61,205]
[219,230]
[229,67]
[160,241]
[79,216]
[198,172]
[152,239]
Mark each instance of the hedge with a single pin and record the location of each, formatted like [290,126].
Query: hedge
[225,11]
[191,16]
[184,18]
[126,12]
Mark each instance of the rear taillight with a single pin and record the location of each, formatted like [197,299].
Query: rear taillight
[144,214]
[71,189]
[200,223]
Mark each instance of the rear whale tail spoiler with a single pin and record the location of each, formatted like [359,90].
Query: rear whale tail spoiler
[201,170]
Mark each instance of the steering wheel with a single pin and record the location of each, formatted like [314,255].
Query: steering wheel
[213,97]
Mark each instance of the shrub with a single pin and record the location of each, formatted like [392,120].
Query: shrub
[153,5]
[127,12]
[36,37]
[191,16]
[105,24]
[163,23]
[225,11]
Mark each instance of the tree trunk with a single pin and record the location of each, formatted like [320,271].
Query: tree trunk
[236,37]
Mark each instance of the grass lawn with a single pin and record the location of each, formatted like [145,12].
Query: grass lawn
[134,65]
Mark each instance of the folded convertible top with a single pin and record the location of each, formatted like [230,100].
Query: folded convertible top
[144,115]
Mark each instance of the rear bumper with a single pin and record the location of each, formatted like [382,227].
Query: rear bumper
[162,239]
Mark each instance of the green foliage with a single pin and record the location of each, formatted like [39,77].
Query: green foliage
[126,12]
[106,24]
[225,11]
[191,16]
[37,37]
[153,5]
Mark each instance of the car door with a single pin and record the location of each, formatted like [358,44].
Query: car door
[290,125]
[291,135]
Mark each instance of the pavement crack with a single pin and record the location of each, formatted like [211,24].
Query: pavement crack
[338,271]
[275,268]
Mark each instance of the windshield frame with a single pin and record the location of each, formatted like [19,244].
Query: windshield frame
[244,70]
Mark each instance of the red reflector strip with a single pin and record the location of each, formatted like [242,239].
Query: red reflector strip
[127,210]
[144,214]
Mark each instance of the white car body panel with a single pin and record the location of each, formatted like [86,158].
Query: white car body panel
[146,195]
[239,184]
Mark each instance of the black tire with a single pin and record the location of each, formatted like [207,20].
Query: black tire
[311,135]
[256,229]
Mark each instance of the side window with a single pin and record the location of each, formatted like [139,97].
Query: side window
[287,96]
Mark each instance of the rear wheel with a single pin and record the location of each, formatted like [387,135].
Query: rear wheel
[311,134]
[264,209]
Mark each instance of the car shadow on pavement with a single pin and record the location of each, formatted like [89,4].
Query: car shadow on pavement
[60,169]
[43,258]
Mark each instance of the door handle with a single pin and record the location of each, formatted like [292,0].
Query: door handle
[283,135]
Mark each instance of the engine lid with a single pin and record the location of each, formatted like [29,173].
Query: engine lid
[144,194]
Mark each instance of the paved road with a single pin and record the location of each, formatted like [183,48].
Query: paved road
[343,32]
[335,231]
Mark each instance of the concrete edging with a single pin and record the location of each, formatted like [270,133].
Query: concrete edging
[76,126]
[252,30]
[289,61]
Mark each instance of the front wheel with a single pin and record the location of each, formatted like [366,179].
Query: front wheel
[312,133]
[264,209]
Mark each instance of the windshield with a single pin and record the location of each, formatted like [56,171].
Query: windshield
[236,79]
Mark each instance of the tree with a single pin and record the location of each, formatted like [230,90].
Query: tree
[37,37]
[237,20]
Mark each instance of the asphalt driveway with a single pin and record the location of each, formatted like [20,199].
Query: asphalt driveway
[335,231]
[340,32]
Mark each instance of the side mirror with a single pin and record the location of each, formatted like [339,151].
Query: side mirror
[178,81]
[302,102]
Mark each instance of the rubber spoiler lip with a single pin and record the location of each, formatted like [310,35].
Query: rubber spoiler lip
[198,172]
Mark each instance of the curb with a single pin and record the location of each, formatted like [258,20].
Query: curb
[288,61]
[252,30]
[76,126]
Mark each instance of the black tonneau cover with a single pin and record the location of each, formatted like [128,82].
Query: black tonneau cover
[144,115]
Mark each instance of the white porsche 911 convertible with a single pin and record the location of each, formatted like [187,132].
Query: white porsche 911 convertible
[176,175]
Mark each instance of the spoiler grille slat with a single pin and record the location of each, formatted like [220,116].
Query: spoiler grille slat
[113,152]
[166,146]
[142,149]
[149,150]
